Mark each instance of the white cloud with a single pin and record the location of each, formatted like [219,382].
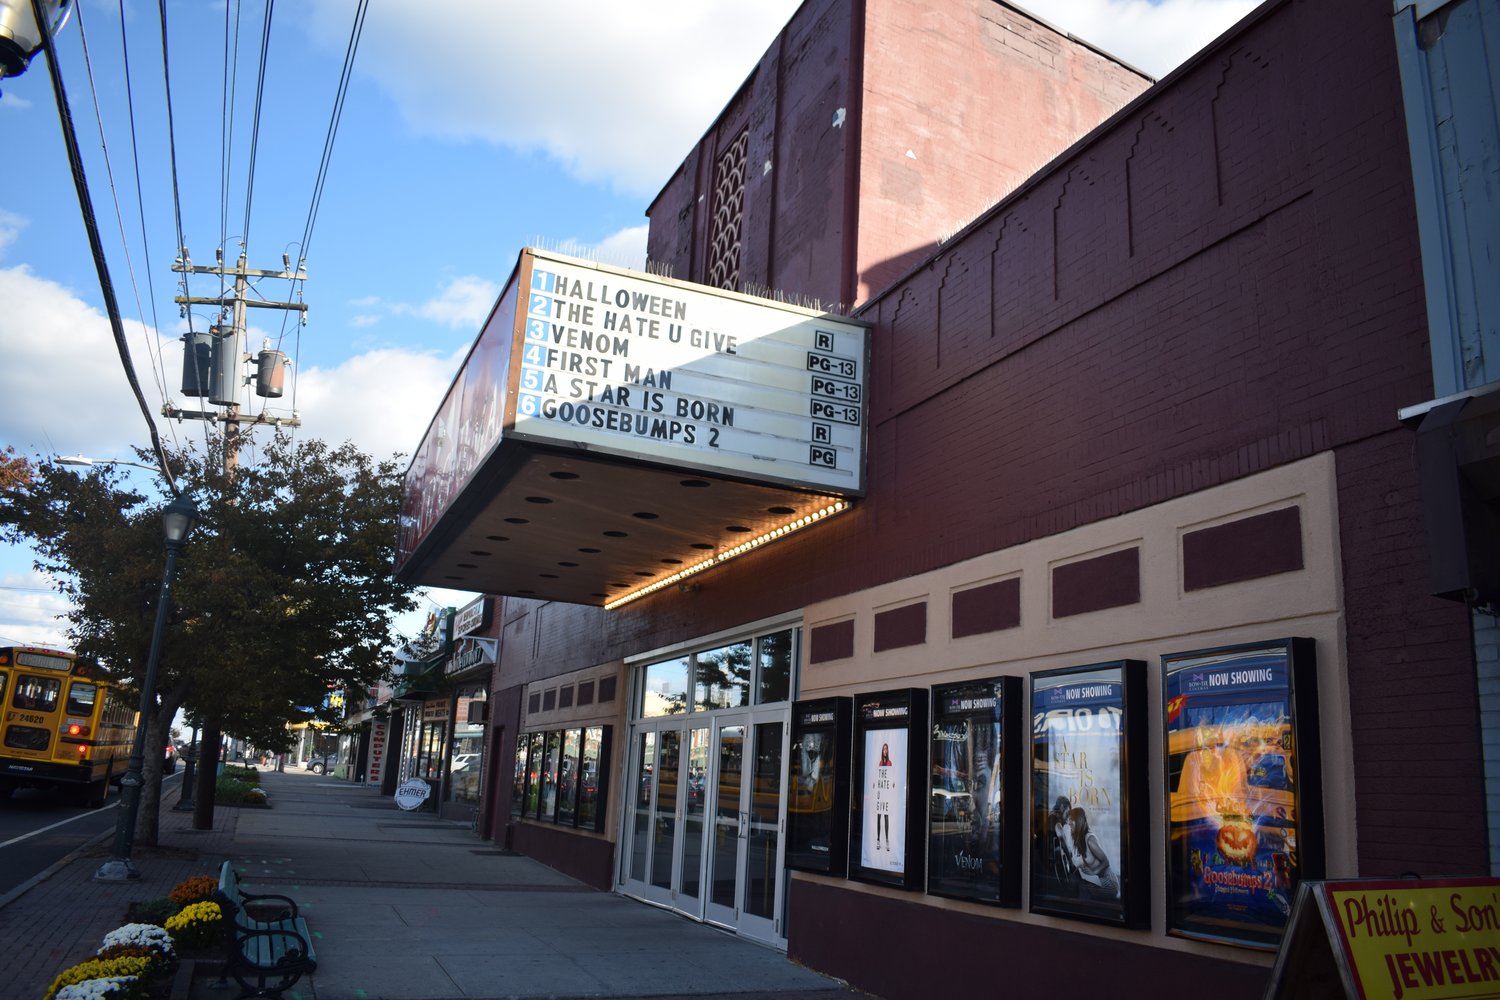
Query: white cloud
[10,228]
[29,611]
[615,90]
[1153,37]
[382,400]
[626,248]
[618,92]
[64,388]
[463,304]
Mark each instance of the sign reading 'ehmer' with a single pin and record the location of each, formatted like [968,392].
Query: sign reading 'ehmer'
[632,364]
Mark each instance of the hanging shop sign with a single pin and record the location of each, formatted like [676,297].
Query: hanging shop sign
[473,617]
[817,810]
[641,366]
[1242,789]
[379,734]
[470,653]
[411,793]
[1088,788]
[974,810]
[890,776]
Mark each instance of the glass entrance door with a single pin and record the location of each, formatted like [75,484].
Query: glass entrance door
[702,820]
[744,850]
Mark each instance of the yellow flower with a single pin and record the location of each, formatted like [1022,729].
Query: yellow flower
[99,968]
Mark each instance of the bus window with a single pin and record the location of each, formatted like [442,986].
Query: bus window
[3,679]
[81,698]
[39,694]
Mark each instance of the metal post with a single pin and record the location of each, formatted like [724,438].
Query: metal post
[189,775]
[120,868]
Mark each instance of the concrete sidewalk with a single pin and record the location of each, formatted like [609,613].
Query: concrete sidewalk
[404,906]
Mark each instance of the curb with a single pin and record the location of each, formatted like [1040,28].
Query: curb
[65,861]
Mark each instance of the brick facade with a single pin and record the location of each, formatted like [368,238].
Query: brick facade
[1219,281]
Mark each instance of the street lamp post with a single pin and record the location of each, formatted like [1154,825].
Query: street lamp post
[177,523]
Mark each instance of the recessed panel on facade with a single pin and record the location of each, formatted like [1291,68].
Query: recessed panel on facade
[639,366]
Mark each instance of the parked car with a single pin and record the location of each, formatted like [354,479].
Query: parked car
[322,764]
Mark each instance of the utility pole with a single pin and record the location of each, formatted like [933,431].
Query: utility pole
[239,299]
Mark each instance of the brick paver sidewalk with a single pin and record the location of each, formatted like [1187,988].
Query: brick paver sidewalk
[60,921]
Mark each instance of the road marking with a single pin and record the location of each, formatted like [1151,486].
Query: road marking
[54,826]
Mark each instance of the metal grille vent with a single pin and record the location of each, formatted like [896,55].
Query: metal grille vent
[729,212]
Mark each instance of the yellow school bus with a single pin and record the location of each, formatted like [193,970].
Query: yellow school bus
[63,724]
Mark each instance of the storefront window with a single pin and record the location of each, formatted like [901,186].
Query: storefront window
[467,762]
[430,753]
[534,772]
[722,677]
[518,786]
[776,652]
[665,691]
[549,777]
[567,778]
[589,797]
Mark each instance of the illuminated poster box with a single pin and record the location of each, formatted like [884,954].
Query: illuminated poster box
[890,779]
[817,811]
[1089,825]
[1244,805]
[974,807]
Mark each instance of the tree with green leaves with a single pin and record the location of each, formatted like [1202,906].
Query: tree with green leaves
[284,589]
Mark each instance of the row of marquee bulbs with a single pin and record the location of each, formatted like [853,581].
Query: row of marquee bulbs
[834,508]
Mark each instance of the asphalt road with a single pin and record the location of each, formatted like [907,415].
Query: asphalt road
[40,827]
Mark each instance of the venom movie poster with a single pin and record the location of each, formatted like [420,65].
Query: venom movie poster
[970,822]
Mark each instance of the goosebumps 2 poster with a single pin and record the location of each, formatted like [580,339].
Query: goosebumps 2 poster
[1232,779]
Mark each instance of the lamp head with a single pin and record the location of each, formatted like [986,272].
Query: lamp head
[20,38]
[178,520]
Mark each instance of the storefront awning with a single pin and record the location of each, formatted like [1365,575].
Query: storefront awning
[613,432]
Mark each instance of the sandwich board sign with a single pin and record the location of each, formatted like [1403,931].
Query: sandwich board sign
[411,793]
[1392,939]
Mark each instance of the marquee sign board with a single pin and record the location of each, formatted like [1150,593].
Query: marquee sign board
[646,367]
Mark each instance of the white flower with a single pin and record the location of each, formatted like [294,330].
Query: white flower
[149,935]
[98,989]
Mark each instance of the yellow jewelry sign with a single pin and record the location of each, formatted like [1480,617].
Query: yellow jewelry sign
[1419,940]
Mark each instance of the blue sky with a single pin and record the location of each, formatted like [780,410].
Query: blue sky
[462,139]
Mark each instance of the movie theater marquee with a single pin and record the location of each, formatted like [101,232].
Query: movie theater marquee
[639,366]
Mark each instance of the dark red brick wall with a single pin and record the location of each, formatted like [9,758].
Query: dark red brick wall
[978,93]
[1222,281]
[1412,685]
[894,948]
[794,222]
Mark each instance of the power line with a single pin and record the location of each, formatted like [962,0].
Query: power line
[91,226]
[166,73]
[157,368]
[260,92]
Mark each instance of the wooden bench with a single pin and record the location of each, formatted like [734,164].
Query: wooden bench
[270,947]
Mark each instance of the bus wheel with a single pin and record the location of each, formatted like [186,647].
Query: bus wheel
[97,793]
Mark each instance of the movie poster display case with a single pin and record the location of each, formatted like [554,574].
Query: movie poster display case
[817,812]
[975,804]
[1090,822]
[1243,789]
[887,804]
